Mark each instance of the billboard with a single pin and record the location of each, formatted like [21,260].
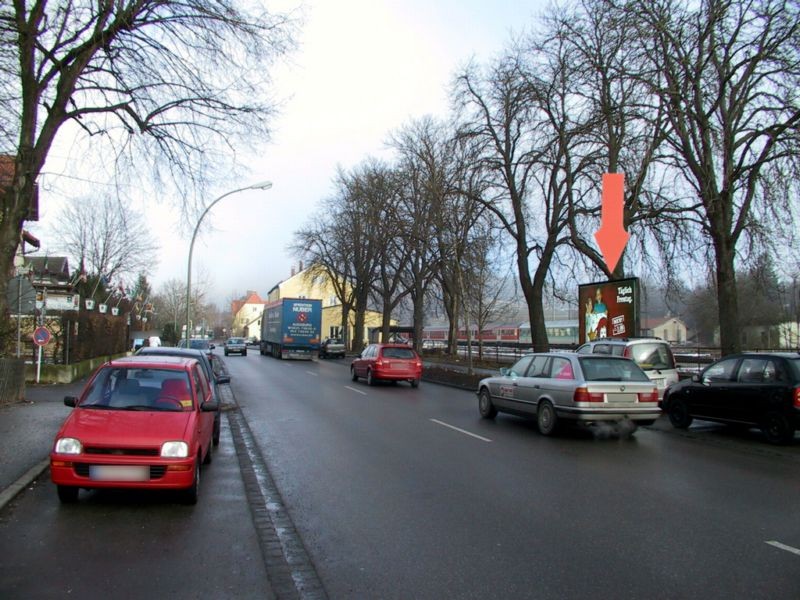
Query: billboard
[608,309]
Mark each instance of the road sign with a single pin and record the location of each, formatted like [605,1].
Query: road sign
[41,336]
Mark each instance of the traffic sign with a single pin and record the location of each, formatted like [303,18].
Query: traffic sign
[41,336]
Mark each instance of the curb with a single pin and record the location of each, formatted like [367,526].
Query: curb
[8,494]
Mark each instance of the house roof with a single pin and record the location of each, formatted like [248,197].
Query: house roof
[655,322]
[250,298]
[49,265]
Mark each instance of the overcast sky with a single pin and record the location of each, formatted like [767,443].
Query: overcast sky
[363,69]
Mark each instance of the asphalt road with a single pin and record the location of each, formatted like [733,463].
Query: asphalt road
[393,502]
[406,493]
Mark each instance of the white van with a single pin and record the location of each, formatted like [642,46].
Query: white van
[652,354]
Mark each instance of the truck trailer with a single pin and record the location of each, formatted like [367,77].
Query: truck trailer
[290,328]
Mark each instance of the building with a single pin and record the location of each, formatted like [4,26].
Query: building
[307,283]
[671,329]
[247,315]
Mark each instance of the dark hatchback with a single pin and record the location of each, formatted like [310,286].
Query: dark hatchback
[212,374]
[753,389]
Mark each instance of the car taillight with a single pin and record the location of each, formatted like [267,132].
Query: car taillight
[379,363]
[796,397]
[627,352]
[582,394]
[648,396]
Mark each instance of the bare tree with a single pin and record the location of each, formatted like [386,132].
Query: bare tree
[146,82]
[626,134]
[105,237]
[727,72]
[531,126]
[324,244]
[486,283]
[427,165]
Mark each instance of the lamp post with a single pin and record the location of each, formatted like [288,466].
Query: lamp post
[264,185]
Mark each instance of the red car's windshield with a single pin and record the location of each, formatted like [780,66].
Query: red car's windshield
[139,389]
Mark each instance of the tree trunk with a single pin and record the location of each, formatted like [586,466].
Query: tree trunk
[386,320]
[345,325]
[419,317]
[727,300]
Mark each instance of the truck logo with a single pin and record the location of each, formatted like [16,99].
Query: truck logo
[302,317]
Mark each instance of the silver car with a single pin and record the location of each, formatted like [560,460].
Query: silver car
[567,387]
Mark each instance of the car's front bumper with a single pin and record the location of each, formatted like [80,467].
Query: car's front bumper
[162,474]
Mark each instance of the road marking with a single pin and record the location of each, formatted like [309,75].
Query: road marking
[347,387]
[312,373]
[475,435]
[785,547]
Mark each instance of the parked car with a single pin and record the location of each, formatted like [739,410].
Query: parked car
[331,347]
[252,341]
[235,345]
[753,389]
[562,387]
[387,362]
[197,344]
[653,355]
[208,368]
[141,422]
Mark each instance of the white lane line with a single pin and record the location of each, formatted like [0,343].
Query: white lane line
[312,373]
[791,549]
[347,387]
[475,435]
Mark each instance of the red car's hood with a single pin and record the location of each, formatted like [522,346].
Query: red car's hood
[125,427]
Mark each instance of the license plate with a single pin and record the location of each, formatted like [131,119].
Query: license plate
[659,383]
[119,473]
[621,397]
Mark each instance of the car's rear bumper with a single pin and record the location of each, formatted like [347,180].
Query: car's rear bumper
[396,375]
[634,413]
[173,474]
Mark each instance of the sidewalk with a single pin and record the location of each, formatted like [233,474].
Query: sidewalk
[27,430]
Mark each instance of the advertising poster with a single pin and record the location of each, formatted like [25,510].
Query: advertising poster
[608,309]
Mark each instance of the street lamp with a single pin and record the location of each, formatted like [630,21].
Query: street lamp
[264,185]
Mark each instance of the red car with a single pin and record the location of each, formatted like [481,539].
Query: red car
[390,362]
[140,422]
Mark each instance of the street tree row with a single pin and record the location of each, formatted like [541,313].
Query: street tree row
[695,102]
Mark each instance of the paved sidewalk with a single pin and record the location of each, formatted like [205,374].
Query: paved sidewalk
[27,430]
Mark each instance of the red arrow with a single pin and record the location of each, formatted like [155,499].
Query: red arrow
[612,237]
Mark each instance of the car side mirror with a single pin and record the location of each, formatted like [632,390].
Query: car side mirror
[223,379]
[70,401]
[209,406]
[696,378]
[212,346]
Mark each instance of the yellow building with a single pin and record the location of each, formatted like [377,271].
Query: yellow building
[247,316]
[316,286]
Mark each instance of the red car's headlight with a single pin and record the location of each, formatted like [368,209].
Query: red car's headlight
[174,450]
[68,445]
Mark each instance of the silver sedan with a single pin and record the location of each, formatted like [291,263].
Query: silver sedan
[564,386]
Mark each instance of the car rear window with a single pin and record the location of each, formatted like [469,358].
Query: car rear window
[610,369]
[405,353]
[794,367]
[652,356]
